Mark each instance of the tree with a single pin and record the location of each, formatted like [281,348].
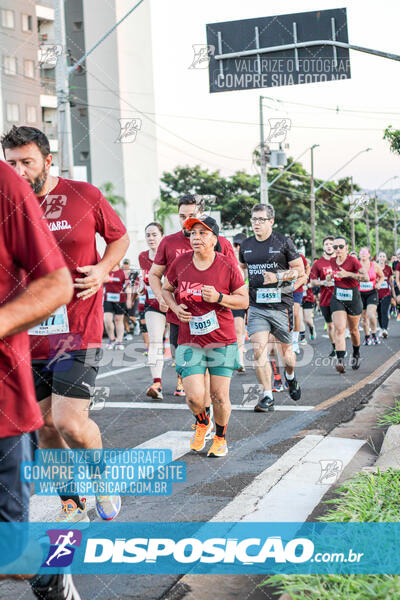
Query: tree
[115,200]
[393,136]
[235,195]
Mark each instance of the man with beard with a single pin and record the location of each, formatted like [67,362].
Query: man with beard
[321,267]
[66,349]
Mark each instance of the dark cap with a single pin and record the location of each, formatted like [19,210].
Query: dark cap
[208,222]
[238,238]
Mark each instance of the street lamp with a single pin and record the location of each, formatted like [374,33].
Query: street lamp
[378,218]
[342,167]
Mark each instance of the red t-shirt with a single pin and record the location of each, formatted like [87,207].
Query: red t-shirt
[175,244]
[28,251]
[305,263]
[75,212]
[224,274]
[352,265]
[385,289]
[115,287]
[320,268]
[309,296]
[145,263]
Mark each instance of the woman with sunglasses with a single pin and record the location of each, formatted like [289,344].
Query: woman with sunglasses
[346,305]
[385,294]
[369,296]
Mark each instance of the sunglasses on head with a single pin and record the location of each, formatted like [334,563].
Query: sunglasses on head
[336,246]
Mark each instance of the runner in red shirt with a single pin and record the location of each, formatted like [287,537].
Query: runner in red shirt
[346,305]
[320,269]
[191,205]
[34,282]
[298,292]
[385,293]
[369,297]
[66,348]
[154,316]
[114,307]
[307,307]
[207,338]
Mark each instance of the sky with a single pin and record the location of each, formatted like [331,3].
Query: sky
[220,131]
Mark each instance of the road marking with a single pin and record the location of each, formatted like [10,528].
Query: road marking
[176,406]
[290,489]
[110,373]
[357,386]
[46,508]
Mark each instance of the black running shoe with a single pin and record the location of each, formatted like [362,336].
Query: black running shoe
[61,587]
[294,388]
[333,353]
[264,405]
[355,362]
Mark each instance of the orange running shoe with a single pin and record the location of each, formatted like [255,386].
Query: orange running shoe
[198,440]
[219,447]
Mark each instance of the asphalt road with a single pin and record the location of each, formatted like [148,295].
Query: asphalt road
[255,440]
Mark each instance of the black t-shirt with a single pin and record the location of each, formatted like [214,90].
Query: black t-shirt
[273,254]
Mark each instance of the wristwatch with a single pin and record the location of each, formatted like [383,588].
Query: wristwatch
[220,297]
[279,277]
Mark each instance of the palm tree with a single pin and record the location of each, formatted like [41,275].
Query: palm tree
[115,200]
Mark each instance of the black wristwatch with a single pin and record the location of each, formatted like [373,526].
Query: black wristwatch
[220,297]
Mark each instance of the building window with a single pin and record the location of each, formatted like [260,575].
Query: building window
[84,155]
[77,25]
[82,112]
[29,68]
[26,22]
[7,18]
[10,65]
[31,114]
[12,111]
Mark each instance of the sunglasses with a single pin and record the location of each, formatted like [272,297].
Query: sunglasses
[341,246]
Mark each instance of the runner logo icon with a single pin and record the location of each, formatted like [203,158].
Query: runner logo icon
[62,547]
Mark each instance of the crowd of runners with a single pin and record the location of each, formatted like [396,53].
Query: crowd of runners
[193,290]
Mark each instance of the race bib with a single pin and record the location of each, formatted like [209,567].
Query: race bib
[112,297]
[57,322]
[268,295]
[150,293]
[204,324]
[344,295]
[385,285]
[366,286]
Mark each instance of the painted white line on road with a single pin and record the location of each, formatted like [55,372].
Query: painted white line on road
[124,370]
[176,406]
[46,508]
[290,489]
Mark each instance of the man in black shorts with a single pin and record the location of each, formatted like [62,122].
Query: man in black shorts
[66,348]
[272,263]
[35,282]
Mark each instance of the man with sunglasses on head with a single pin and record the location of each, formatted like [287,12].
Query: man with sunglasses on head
[346,305]
[272,263]
[320,269]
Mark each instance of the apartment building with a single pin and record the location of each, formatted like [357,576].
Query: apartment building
[110,96]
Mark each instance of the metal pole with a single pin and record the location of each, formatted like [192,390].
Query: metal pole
[376,227]
[65,153]
[263,162]
[353,233]
[313,251]
[367,226]
[395,228]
